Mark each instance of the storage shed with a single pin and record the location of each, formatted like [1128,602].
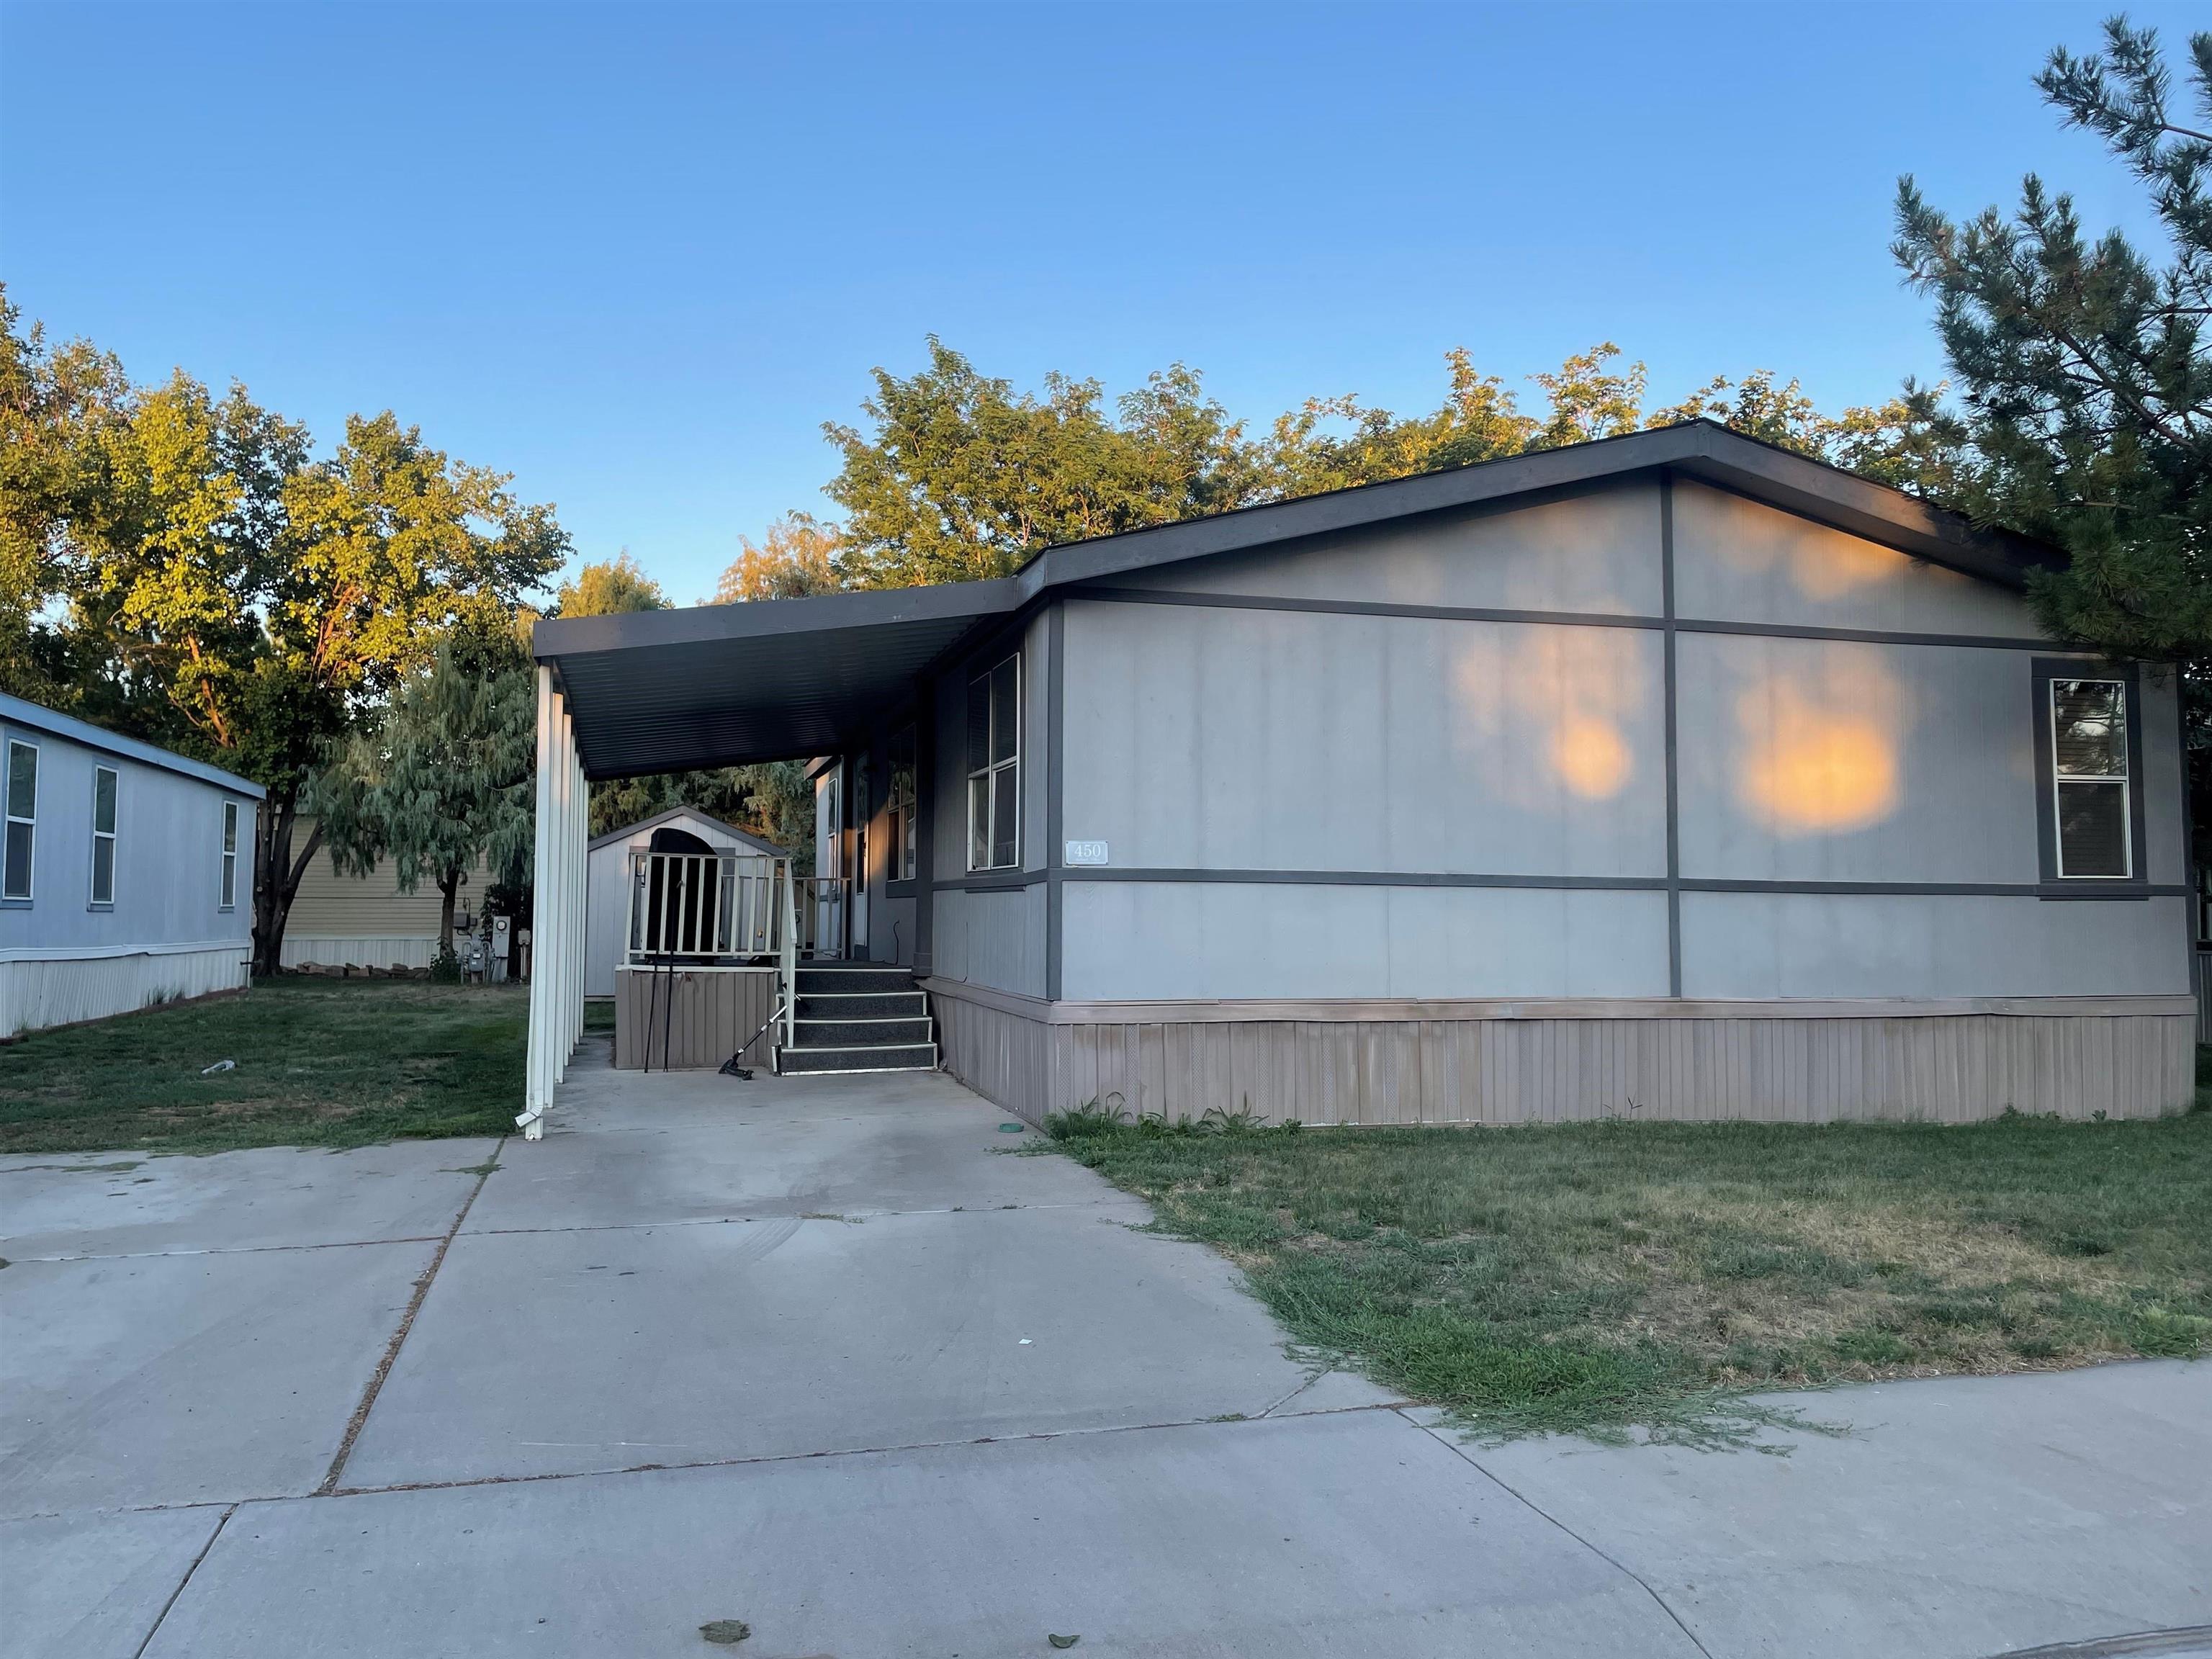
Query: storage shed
[607,876]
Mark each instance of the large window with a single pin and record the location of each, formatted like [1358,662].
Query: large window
[229,898]
[902,806]
[994,767]
[103,834]
[2093,816]
[22,803]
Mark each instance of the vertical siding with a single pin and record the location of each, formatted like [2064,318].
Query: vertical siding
[1946,1068]
[36,994]
[704,1016]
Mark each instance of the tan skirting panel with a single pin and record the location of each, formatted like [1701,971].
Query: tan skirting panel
[1953,1063]
[706,1015]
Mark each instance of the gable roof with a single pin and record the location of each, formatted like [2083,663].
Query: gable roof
[696,815]
[20,712]
[657,691]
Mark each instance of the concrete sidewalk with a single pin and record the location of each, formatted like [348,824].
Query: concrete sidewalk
[811,1354]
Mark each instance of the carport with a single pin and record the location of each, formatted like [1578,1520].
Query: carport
[718,685]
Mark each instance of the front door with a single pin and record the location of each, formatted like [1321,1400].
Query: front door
[859,910]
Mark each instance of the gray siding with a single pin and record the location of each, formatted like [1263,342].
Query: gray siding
[992,936]
[1742,562]
[1139,941]
[1236,726]
[1222,739]
[1825,945]
[1597,552]
[993,939]
[1822,760]
[167,859]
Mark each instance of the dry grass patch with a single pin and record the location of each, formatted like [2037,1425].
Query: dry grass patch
[1597,1276]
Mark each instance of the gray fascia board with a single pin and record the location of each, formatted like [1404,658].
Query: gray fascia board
[36,717]
[1698,449]
[553,637]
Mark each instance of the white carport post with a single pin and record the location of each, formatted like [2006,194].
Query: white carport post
[556,949]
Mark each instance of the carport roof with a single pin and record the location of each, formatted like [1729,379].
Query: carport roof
[720,685]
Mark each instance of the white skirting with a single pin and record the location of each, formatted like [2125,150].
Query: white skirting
[38,992]
[366,950]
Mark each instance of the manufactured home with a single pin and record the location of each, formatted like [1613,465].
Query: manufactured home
[128,873]
[341,919]
[1674,775]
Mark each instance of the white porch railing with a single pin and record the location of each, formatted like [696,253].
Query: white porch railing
[703,908]
[695,909]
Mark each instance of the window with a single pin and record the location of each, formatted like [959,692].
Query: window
[2089,777]
[994,767]
[902,806]
[22,804]
[103,834]
[229,899]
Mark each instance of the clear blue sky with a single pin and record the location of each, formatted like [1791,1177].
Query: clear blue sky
[636,256]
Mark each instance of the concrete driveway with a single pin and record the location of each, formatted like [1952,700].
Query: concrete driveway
[812,1355]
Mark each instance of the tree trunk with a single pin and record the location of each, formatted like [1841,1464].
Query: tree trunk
[276,875]
[447,882]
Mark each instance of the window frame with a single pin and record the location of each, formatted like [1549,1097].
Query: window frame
[905,852]
[993,769]
[9,820]
[2048,672]
[225,891]
[93,900]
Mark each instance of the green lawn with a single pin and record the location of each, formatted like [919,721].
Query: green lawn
[321,1063]
[1595,1277]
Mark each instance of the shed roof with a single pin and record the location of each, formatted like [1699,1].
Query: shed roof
[660,690]
[696,815]
[20,711]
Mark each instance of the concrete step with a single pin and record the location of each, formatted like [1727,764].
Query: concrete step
[864,1005]
[850,1033]
[895,1057]
[818,981]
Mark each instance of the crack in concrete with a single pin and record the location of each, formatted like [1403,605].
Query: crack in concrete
[1459,1449]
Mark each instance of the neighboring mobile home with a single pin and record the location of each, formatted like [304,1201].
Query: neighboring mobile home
[343,920]
[128,872]
[1674,775]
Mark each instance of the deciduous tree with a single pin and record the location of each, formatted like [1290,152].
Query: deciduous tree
[441,781]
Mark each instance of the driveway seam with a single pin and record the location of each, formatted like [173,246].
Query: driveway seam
[160,1618]
[810,1215]
[1618,1566]
[360,1416]
[327,1491]
[228,1249]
